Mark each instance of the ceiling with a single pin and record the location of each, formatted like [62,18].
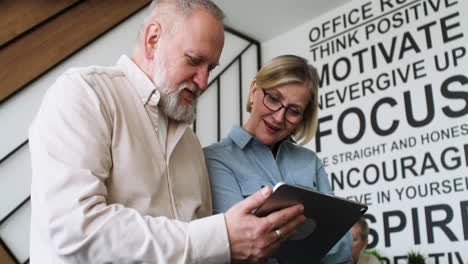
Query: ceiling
[265,19]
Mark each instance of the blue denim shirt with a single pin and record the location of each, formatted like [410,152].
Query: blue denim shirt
[240,165]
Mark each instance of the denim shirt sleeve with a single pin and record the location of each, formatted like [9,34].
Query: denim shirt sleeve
[225,189]
[323,185]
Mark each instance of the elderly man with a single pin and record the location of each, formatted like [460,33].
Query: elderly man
[360,231]
[118,176]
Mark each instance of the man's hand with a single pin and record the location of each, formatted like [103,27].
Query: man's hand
[253,239]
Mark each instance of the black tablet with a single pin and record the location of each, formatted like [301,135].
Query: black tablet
[328,219]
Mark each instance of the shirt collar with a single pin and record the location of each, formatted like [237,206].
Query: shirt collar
[242,137]
[239,136]
[140,81]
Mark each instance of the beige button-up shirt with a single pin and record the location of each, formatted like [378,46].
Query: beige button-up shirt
[102,189]
[367,259]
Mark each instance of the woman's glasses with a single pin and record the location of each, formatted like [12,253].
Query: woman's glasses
[272,102]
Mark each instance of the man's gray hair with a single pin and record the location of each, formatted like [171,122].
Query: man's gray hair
[186,6]
[161,9]
[363,228]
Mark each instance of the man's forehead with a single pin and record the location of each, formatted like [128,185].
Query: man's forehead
[203,35]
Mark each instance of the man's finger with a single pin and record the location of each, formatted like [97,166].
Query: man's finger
[282,217]
[290,228]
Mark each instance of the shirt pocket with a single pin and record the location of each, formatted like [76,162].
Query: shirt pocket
[249,187]
[305,176]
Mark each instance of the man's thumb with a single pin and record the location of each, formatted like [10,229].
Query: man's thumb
[255,200]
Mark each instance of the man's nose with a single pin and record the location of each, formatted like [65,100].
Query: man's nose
[201,78]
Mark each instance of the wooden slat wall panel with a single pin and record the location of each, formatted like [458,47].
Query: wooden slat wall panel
[4,257]
[21,15]
[36,52]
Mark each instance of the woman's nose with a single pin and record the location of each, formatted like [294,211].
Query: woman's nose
[280,115]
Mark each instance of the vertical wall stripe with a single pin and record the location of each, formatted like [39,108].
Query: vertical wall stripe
[218,104]
[259,58]
[240,91]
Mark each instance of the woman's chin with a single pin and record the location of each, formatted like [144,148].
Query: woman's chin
[267,139]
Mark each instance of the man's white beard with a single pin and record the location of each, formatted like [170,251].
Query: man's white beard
[169,103]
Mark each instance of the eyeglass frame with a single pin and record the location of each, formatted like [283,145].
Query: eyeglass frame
[265,94]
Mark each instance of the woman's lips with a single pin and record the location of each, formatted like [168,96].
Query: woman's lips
[270,128]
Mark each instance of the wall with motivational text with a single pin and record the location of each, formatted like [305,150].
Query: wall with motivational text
[394,118]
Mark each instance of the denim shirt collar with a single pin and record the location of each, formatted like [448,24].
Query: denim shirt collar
[239,136]
[242,137]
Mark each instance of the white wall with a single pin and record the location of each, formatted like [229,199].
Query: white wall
[435,223]
[17,113]
[232,94]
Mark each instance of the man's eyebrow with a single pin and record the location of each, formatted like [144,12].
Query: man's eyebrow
[202,57]
[214,65]
[197,55]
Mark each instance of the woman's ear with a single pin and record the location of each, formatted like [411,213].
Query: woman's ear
[152,35]
[253,90]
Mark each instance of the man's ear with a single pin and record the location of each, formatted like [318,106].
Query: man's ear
[365,243]
[152,35]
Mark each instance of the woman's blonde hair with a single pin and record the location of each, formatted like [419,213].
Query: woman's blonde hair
[288,69]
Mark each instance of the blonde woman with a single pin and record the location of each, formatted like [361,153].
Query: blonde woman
[267,149]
